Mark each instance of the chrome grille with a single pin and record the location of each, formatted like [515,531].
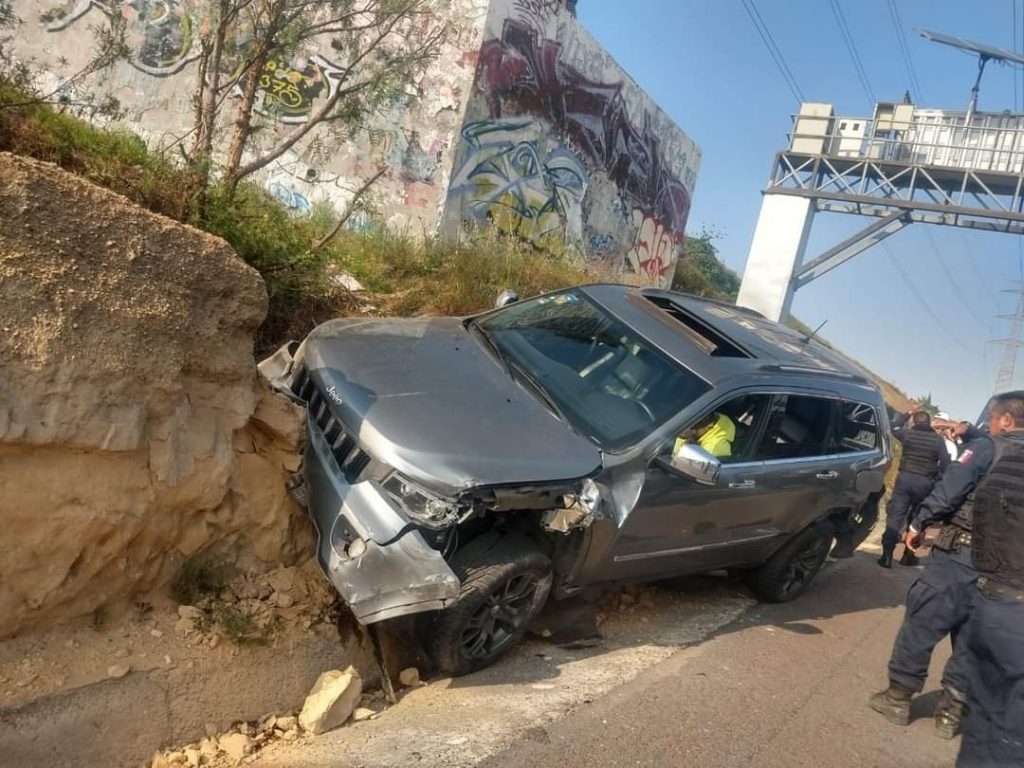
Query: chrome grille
[352,460]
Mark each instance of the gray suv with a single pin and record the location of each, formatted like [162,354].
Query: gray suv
[465,468]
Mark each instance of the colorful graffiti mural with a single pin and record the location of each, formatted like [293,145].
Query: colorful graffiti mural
[508,178]
[522,74]
[634,201]
[289,89]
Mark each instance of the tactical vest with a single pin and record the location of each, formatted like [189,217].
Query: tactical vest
[921,450]
[998,550]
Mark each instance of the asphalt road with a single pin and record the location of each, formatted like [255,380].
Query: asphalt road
[782,686]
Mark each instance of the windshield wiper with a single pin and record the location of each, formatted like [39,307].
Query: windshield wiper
[513,368]
[495,349]
[538,389]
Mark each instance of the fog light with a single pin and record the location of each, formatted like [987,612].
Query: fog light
[356,548]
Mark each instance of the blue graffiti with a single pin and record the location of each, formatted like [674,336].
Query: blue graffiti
[506,177]
[289,196]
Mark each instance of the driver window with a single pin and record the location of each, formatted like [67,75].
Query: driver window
[729,430]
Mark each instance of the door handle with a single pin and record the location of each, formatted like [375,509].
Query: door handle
[830,475]
[743,484]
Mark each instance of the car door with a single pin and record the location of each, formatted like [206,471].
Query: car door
[680,526]
[802,473]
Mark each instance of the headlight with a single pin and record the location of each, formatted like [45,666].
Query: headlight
[418,504]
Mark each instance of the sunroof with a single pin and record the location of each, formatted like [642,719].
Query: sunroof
[713,341]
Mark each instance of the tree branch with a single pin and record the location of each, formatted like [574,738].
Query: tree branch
[349,210]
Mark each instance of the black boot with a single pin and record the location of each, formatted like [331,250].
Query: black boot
[949,714]
[894,703]
[886,559]
[909,558]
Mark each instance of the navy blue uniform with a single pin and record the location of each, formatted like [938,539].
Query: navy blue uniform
[924,459]
[939,602]
[994,729]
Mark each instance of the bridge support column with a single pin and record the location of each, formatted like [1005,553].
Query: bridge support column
[777,251]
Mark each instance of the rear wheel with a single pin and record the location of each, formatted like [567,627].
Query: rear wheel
[503,588]
[788,572]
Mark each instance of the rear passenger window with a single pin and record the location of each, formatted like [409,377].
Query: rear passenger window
[857,430]
[799,427]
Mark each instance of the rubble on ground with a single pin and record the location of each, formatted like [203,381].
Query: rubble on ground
[243,742]
[254,608]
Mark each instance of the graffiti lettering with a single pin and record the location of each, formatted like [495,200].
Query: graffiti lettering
[506,178]
[654,249]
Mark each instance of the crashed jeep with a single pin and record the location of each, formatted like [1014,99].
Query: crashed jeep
[465,468]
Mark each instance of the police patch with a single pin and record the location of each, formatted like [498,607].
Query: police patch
[965,457]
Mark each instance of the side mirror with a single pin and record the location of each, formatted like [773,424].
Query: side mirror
[505,298]
[697,464]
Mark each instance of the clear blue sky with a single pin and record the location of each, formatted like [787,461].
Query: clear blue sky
[704,63]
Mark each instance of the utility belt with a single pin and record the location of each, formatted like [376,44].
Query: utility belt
[1000,592]
[952,538]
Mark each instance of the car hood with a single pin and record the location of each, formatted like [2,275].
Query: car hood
[423,396]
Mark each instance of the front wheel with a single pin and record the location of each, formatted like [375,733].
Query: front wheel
[502,590]
[788,572]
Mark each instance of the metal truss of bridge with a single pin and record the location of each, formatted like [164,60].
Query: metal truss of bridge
[903,165]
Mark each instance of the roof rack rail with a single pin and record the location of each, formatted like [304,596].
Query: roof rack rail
[790,368]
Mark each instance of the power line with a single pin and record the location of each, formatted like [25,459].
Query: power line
[851,46]
[978,271]
[1016,71]
[944,265]
[908,62]
[924,303]
[773,49]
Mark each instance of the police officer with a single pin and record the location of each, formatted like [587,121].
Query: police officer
[994,728]
[924,459]
[939,602]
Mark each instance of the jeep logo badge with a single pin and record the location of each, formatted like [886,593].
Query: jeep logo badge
[332,392]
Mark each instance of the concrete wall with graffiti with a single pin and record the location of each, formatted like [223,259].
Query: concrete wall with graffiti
[562,148]
[524,121]
[413,138]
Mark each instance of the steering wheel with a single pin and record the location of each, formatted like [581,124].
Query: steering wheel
[643,407]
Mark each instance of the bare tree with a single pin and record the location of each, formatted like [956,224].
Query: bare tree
[377,47]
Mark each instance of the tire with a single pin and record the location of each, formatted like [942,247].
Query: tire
[788,572]
[503,588]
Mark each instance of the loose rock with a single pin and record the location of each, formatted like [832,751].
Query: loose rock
[282,600]
[192,756]
[362,713]
[331,701]
[286,723]
[118,670]
[122,653]
[409,677]
[236,745]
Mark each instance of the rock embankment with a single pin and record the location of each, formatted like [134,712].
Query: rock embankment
[133,431]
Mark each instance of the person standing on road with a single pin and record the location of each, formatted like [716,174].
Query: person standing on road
[939,602]
[994,728]
[924,460]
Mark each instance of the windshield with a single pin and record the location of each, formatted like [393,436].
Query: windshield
[604,379]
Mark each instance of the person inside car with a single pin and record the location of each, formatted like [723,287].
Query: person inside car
[715,434]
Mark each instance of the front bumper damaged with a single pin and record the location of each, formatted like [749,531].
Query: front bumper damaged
[380,566]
